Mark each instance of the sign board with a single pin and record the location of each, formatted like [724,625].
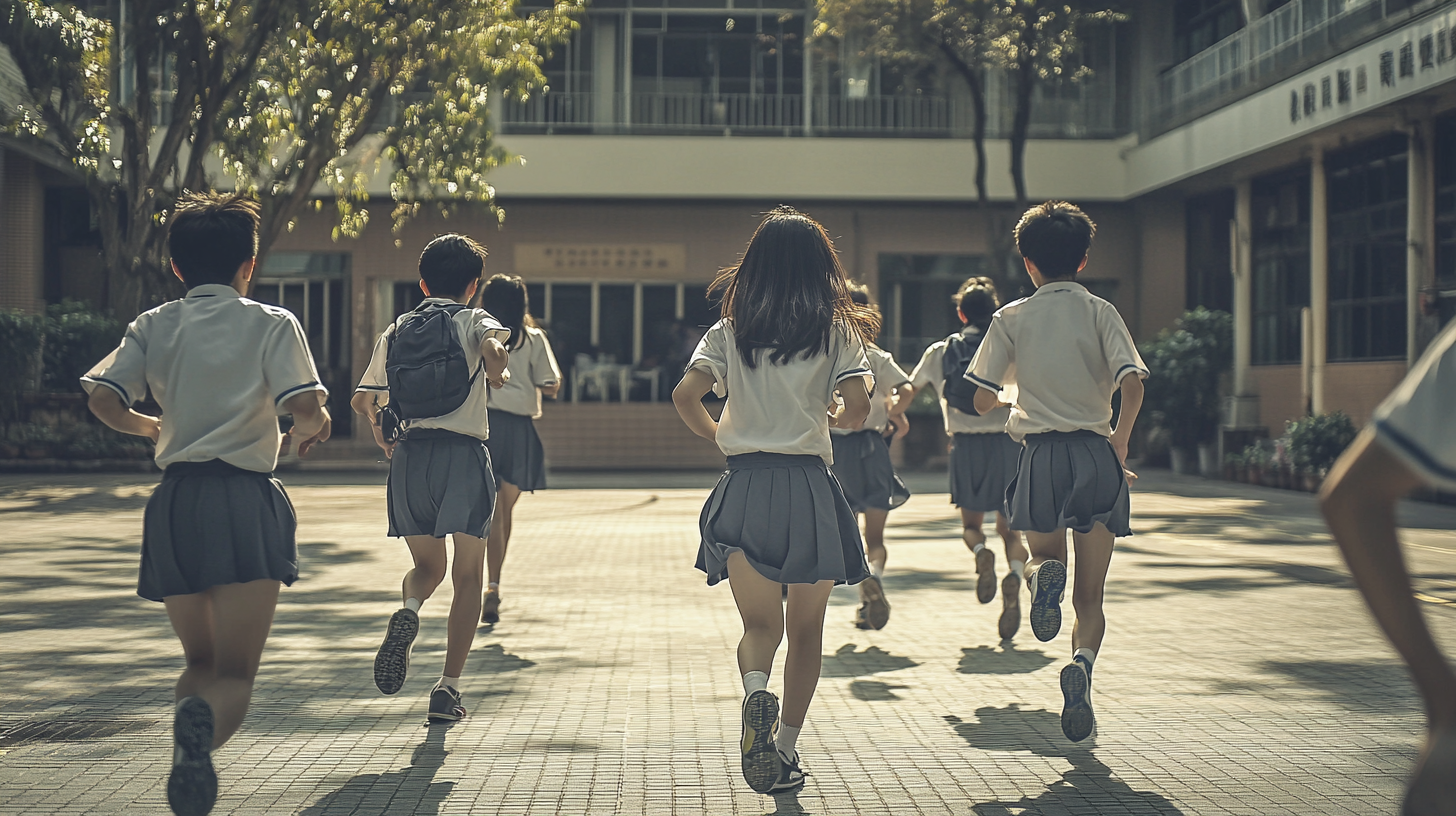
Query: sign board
[617,261]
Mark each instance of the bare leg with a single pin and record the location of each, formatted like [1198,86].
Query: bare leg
[1012,539]
[1094,556]
[805,625]
[874,536]
[761,606]
[506,497]
[241,616]
[971,528]
[429,570]
[468,575]
[1046,545]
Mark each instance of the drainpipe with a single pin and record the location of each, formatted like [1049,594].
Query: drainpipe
[1319,279]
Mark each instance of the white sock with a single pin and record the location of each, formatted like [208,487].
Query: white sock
[785,740]
[1018,568]
[412,604]
[877,570]
[976,548]
[755,681]
[452,682]
[495,585]
[1088,654]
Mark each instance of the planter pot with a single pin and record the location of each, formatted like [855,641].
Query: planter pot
[9,452]
[37,452]
[1312,481]
[1254,475]
[1208,461]
[1230,473]
[1183,462]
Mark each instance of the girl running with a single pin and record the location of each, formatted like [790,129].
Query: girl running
[515,448]
[790,338]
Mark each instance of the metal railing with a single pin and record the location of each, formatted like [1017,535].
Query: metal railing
[1274,47]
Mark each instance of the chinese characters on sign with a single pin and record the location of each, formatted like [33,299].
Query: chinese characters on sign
[1394,65]
[632,261]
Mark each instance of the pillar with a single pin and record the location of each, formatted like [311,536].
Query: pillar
[1418,231]
[1242,270]
[1319,279]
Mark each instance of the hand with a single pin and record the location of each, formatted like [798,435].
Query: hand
[387,447]
[1129,475]
[498,380]
[307,445]
[153,429]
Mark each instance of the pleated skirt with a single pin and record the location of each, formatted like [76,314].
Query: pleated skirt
[209,524]
[789,518]
[516,454]
[1069,480]
[862,466]
[440,483]
[981,467]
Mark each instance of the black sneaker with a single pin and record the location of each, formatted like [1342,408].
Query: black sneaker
[877,606]
[1047,584]
[985,575]
[791,776]
[760,760]
[490,607]
[1078,721]
[392,663]
[445,705]
[192,786]
[1010,620]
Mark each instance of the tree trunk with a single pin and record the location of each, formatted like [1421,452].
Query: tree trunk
[1020,124]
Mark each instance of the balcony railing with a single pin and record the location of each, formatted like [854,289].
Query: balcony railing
[1276,46]
[1085,111]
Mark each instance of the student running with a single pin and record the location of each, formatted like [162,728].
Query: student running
[790,338]
[516,455]
[862,466]
[1069,352]
[1410,442]
[424,396]
[218,534]
[983,457]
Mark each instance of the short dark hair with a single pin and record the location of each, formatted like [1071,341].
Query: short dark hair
[450,263]
[505,297]
[1055,236]
[977,301]
[211,235]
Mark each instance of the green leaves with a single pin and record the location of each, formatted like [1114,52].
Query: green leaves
[1185,367]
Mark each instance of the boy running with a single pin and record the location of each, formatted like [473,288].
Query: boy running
[218,534]
[440,479]
[1410,442]
[1068,351]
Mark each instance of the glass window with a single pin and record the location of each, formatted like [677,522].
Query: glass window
[616,318]
[570,328]
[1367,229]
[1209,283]
[916,293]
[314,286]
[1445,161]
[1199,24]
[1280,279]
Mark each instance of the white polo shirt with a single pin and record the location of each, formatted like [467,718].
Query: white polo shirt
[221,366]
[888,375]
[532,367]
[1417,422]
[930,371]
[779,408]
[473,327]
[1066,350]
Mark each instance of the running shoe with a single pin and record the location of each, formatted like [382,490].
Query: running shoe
[1010,606]
[445,705]
[1432,787]
[391,664]
[877,607]
[791,776]
[760,759]
[1078,721]
[490,607]
[861,617]
[192,786]
[985,575]
[1047,582]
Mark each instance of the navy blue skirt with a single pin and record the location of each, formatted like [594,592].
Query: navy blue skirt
[516,454]
[862,466]
[440,483]
[1069,480]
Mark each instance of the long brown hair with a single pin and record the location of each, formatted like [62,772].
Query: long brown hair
[504,296]
[788,291]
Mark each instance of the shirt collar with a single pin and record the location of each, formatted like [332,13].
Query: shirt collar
[1060,286]
[441,300]
[212,290]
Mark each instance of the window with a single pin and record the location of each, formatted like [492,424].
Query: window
[1199,24]
[1209,283]
[916,293]
[1367,229]
[1280,277]
[1445,160]
[315,287]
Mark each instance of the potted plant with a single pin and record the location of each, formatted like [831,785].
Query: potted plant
[1186,367]
[1256,459]
[1316,442]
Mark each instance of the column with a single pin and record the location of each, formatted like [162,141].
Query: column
[1242,269]
[808,73]
[604,71]
[1319,278]
[1417,231]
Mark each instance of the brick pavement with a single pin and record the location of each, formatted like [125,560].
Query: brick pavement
[1239,675]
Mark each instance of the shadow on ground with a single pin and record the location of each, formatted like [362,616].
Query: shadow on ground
[1355,685]
[411,790]
[846,662]
[1002,659]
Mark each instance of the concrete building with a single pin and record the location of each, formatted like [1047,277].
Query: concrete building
[1292,161]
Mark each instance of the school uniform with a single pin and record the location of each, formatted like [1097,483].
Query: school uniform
[1067,351]
[515,448]
[983,457]
[778,503]
[1414,423]
[440,476]
[862,458]
[221,366]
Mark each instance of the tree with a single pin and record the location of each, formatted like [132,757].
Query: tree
[296,101]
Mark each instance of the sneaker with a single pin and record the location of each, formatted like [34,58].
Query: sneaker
[1047,583]
[1078,721]
[392,663]
[1432,787]
[445,705]
[760,759]
[791,776]
[861,617]
[985,575]
[1010,606]
[490,607]
[877,607]
[192,786]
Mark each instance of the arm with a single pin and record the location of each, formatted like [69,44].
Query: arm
[687,397]
[900,399]
[988,400]
[366,404]
[550,391]
[856,408]
[311,421]
[495,357]
[1132,402]
[108,407]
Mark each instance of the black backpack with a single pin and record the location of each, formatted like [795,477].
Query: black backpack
[425,366]
[959,392]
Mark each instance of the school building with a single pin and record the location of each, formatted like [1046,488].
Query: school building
[1290,161]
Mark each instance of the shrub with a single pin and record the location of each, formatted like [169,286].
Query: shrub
[1185,366]
[20,338]
[1316,442]
[76,336]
